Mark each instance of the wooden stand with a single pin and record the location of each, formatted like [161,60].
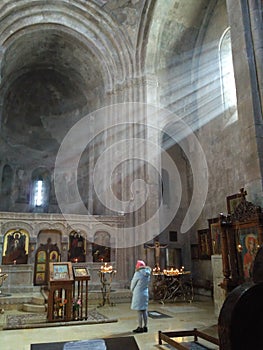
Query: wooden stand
[60,292]
[80,291]
[45,254]
[60,301]
[244,223]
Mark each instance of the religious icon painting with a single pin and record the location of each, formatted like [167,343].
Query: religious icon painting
[80,271]
[40,277]
[41,256]
[233,201]
[41,267]
[248,247]
[77,244]
[215,234]
[15,247]
[60,271]
[204,243]
[53,256]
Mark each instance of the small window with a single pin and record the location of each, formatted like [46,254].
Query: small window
[40,189]
[228,85]
[173,236]
[165,187]
[38,195]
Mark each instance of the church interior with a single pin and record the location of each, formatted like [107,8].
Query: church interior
[131,130]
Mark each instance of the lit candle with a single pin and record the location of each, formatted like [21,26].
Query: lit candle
[14,262]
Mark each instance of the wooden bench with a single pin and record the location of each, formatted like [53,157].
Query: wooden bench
[168,338]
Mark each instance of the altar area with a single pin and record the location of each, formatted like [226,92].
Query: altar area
[29,242]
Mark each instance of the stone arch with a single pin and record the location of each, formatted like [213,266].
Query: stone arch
[19,225]
[51,236]
[106,40]
[58,226]
[165,20]
[64,48]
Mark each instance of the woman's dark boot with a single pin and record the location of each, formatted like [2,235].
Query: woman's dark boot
[138,330]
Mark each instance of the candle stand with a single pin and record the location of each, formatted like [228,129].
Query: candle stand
[173,285]
[106,274]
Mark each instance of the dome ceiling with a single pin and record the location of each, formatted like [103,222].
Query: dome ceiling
[46,74]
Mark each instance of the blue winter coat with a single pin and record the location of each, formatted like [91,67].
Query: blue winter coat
[140,288]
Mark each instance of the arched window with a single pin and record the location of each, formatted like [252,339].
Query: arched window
[7,180]
[6,188]
[228,85]
[40,189]
[165,187]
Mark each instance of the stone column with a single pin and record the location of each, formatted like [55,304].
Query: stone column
[245,19]
[219,293]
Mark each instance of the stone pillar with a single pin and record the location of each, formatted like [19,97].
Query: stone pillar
[245,19]
[2,51]
[64,248]
[256,23]
[1,247]
[32,250]
[219,293]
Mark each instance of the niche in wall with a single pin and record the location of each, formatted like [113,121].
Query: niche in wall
[15,249]
[76,251]
[101,250]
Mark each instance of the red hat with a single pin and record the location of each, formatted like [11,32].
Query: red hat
[140,263]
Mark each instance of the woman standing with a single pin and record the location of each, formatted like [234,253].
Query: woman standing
[140,294]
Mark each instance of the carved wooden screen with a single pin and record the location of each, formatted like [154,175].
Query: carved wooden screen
[242,235]
[45,254]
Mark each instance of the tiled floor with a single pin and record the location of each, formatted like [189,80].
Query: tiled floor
[199,314]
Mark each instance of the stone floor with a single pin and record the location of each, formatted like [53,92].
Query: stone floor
[199,314]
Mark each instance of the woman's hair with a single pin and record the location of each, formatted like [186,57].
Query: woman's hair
[140,263]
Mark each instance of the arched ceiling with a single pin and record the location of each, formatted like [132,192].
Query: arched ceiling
[173,30]
[58,62]
[60,59]
[52,48]
[46,74]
